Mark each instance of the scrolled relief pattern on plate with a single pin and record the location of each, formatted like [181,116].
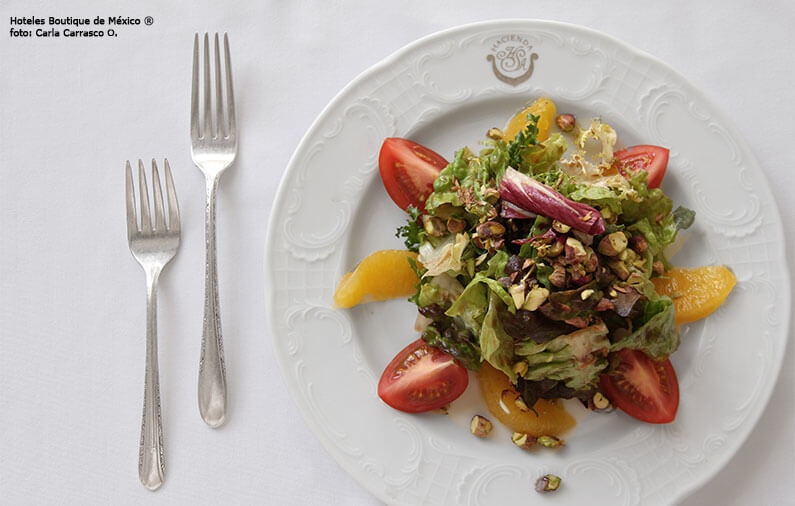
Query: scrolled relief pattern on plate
[315,237]
[303,243]
[719,209]
[334,322]
[617,475]
[476,486]
[424,95]
[421,70]
[742,409]
[303,321]
[766,296]
[655,460]
[343,441]
[701,359]
[694,455]
[595,73]
[408,478]
[708,335]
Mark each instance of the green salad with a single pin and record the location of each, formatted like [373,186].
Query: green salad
[537,258]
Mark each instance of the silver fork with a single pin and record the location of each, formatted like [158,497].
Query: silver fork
[153,245]
[213,137]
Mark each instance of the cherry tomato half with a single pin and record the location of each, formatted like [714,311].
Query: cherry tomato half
[652,159]
[643,388]
[408,171]
[422,378]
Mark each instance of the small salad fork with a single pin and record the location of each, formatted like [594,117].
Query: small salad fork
[213,135]
[153,244]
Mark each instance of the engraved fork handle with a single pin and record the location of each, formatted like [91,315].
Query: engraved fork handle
[151,463]
[212,372]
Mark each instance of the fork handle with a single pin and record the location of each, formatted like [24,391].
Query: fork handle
[212,372]
[151,462]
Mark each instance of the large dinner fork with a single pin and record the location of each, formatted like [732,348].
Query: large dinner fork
[213,137]
[153,244]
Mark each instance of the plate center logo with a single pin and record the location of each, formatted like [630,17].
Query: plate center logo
[512,59]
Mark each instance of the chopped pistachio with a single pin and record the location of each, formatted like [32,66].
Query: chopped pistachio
[433,225]
[550,441]
[565,122]
[455,226]
[528,442]
[523,441]
[608,215]
[627,256]
[575,249]
[612,244]
[558,276]
[495,133]
[560,227]
[639,244]
[600,402]
[492,195]
[620,269]
[480,426]
[548,483]
[490,229]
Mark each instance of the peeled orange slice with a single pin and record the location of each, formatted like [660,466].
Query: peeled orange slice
[696,292]
[543,107]
[384,274]
[547,418]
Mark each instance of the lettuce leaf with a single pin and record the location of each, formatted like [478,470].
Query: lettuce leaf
[658,336]
[577,358]
[495,344]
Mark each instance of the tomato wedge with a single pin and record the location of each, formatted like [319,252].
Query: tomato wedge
[643,388]
[652,159]
[422,378]
[408,171]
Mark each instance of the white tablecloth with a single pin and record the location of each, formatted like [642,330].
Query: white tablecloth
[72,299]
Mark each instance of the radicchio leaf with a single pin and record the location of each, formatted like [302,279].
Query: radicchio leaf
[534,196]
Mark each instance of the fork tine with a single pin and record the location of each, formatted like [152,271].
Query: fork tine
[129,187]
[220,125]
[207,95]
[194,93]
[173,204]
[146,219]
[157,195]
[230,96]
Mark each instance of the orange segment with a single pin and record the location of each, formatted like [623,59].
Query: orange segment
[696,292]
[550,417]
[382,275]
[543,107]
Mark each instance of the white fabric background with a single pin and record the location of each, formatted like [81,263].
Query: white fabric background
[72,299]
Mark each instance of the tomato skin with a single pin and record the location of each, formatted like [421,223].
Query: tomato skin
[422,378]
[408,171]
[652,159]
[643,388]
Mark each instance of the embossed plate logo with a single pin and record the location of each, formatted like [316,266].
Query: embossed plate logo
[512,59]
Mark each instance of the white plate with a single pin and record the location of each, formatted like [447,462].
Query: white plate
[445,91]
